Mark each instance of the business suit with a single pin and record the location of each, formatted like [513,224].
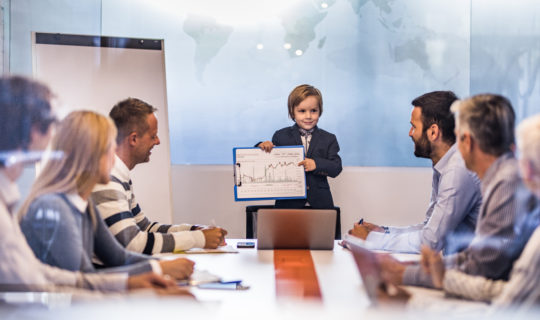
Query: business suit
[323,149]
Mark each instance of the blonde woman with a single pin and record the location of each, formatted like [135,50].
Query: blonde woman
[25,124]
[60,224]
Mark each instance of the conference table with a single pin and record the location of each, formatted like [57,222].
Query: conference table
[336,274]
[277,278]
[284,284]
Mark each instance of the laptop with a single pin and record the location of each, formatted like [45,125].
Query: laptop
[312,229]
[367,265]
[370,271]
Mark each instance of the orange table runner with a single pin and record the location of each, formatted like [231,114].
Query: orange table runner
[295,274]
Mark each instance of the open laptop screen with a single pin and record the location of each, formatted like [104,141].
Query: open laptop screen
[296,229]
[367,265]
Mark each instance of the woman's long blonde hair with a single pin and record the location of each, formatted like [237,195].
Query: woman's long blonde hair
[81,139]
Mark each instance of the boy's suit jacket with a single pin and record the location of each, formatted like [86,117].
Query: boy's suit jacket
[323,149]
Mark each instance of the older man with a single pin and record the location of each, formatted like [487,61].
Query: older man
[524,283]
[485,134]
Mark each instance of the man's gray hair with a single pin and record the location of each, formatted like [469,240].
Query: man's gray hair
[489,118]
[528,140]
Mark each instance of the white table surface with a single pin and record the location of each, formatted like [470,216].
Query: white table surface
[343,295]
[339,280]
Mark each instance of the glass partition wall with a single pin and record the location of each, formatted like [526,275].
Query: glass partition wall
[230,65]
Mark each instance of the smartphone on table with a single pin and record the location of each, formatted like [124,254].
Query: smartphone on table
[245,244]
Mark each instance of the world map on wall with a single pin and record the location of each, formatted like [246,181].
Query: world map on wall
[300,34]
[370,58]
[228,80]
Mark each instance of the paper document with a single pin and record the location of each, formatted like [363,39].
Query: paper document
[199,277]
[269,175]
[223,249]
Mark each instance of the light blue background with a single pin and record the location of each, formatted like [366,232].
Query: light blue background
[369,58]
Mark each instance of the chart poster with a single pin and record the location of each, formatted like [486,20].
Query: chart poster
[260,175]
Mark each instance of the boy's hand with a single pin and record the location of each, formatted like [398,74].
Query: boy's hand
[309,164]
[266,146]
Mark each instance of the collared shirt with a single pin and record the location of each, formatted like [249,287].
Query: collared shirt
[127,222]
[21,268]
[78,202]
[495,245]
[306,141]
[450,218]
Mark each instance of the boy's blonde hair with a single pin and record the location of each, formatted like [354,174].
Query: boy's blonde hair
[82,138]
[299,94]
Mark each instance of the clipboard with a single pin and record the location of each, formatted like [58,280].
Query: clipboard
[275,175]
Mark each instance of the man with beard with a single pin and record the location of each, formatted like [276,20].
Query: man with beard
[137,135]
[507,216]
[455,197]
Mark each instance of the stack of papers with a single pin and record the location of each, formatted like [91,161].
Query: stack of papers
[203,279]
[199,277]
[223,249]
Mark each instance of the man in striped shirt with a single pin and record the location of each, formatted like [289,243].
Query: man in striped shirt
[485,134]
[137,135]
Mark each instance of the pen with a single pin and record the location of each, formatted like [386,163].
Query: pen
[231,282]
[361,221]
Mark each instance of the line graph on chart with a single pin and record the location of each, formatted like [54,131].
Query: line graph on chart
[269,175]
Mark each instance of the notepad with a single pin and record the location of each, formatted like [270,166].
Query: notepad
[199,277]
[223,249]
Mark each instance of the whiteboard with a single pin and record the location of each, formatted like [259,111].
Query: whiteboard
[94,73]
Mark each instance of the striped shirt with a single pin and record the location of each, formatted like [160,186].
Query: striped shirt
[118,207]
[493,248]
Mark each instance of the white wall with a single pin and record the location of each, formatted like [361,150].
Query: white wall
[96,78]
[389,196]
